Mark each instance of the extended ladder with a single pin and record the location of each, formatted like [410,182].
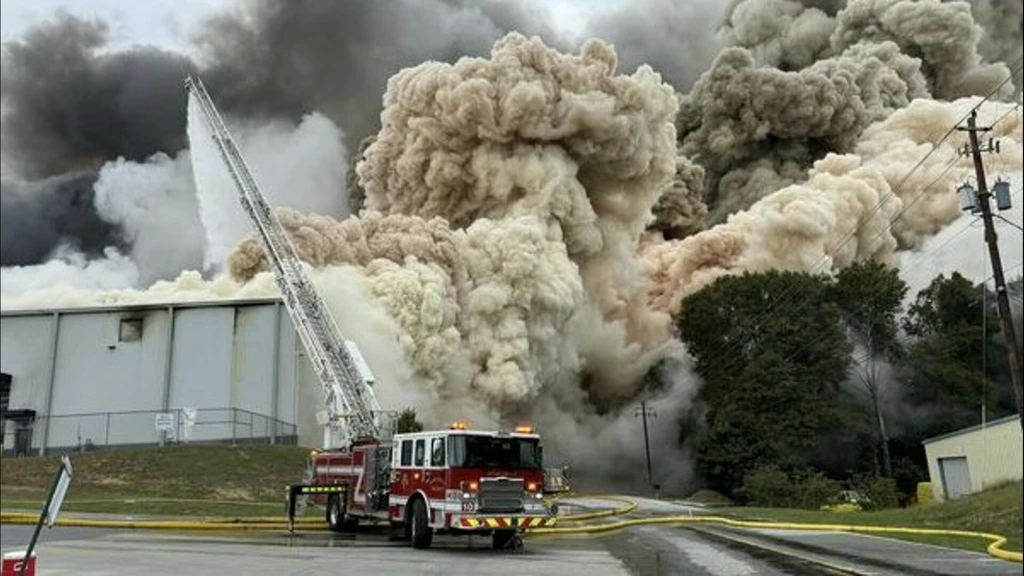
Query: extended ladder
[352,407]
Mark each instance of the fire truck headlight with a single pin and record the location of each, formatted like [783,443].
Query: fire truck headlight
[466,495]
[538,496]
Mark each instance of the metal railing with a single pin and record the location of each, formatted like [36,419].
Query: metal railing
[102,430]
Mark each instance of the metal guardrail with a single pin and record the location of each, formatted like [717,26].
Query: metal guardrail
[102,430]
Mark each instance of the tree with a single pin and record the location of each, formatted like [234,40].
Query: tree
[870,295]
[407,422]
[956,346]
[773,353]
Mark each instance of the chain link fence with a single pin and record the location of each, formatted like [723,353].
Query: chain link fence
[102,430]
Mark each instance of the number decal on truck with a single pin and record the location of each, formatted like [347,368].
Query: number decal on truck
[468,506]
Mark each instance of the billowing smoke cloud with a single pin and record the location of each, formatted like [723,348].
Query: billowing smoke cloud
[680,210]
[271,57]
[739,113]
[797,80]
[853,207]
[675,38]
[37,217]
[45,285]
[1002,24]
[69,104]
[154,205]
[323,241]
[301,167]
[782,34]
[533,132]
[943,35]
[546,175]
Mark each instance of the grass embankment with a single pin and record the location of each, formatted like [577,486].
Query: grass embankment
[173,480]
[996,510]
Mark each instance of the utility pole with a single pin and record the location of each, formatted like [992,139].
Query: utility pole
[644,412]
[1002,298]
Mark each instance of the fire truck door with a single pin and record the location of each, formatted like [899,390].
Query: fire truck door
[436,475]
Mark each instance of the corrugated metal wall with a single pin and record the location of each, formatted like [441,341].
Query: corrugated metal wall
[994,454]
[231,355]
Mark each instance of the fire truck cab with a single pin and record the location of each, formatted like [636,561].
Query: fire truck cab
[455,481]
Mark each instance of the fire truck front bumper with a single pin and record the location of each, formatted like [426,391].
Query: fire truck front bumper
[501,522]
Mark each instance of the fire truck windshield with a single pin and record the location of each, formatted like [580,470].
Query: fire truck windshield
[472,451]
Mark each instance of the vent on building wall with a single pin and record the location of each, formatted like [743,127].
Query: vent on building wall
[130,330]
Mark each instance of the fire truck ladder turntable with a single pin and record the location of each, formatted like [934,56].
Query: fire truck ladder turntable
[352,407]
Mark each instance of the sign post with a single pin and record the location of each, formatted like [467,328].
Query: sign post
[164,424]
[51,509]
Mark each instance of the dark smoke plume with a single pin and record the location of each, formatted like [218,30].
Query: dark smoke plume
[37,217]
[69,106]
[275,58]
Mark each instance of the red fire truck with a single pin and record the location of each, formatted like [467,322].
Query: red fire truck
[455,481]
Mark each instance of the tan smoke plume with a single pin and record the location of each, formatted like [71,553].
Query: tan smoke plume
[853,207]
[738,110]
[324,241]
[780,33]
[942,34]
[534,132]
[680,211]
[794,83]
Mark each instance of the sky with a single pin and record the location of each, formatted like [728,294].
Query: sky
[166,23]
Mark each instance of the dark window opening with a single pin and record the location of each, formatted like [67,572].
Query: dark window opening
[130,330]
[406,453]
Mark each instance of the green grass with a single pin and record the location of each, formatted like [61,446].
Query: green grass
[998,510]
[174,480]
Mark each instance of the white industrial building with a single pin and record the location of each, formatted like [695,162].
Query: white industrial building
[127,375]
[975,458]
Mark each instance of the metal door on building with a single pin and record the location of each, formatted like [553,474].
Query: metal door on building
[956,478]
[22,440]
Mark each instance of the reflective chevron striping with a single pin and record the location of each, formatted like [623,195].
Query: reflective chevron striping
[507,522]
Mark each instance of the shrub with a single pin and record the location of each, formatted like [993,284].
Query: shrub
[881,492]
[816,490]
[769,486]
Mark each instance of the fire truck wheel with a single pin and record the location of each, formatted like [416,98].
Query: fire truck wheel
[422,535]
[335,517]
[503,539]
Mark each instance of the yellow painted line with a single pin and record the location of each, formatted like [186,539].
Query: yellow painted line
[209,524]
[996,541]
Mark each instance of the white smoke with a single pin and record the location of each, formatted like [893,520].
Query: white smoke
[41,285]
[301,167]
[154,203]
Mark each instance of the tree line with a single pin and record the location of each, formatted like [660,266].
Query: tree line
[830,378]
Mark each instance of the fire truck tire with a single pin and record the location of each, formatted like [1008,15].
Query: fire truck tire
[422,535]
[502,539]
[335,517]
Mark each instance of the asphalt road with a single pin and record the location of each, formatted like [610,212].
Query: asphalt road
[644,550]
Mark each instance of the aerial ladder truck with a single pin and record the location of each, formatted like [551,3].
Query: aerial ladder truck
[457,480]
